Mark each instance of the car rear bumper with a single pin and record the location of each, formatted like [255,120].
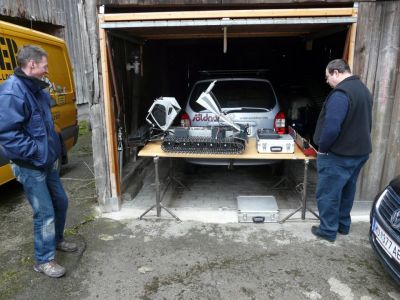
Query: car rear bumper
[231,162]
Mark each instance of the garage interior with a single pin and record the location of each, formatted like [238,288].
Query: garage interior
[147,59]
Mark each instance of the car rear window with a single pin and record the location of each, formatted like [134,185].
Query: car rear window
[236,93]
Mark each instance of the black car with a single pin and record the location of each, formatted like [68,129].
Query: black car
[384,234]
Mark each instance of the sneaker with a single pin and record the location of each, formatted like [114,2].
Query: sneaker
[67,246]
[51,269]
[317,232]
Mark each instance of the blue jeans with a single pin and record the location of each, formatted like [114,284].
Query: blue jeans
[336,188]
[49,202]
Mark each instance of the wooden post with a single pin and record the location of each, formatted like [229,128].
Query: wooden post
[109,118]
[352,39]
[346,47]
[350,59]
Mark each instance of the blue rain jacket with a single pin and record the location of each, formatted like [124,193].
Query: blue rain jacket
[27,135]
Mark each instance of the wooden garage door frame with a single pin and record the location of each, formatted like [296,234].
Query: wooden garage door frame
[261,17]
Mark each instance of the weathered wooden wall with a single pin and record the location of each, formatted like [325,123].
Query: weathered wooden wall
[50,11]
[69,17]
[377,61]
[99,138]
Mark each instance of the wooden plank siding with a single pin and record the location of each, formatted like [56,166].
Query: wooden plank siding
[68,22]
[377,60]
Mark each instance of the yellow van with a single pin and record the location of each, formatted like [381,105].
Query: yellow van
[62,88]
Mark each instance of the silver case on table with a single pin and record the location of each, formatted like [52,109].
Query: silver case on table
[257,209]
[283,144]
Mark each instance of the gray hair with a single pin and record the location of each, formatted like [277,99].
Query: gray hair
[30,52]
[338,64]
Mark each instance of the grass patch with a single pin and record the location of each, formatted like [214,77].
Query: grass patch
[74,230]
[83,127]
[26,261]
[70,232]
[9,283]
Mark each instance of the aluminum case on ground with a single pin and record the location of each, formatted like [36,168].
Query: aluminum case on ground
[257,209]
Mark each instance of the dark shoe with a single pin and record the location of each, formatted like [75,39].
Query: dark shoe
[51,269]
[317,232]
[343,231]
[67,246]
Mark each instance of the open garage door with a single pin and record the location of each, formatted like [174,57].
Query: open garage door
[191,34]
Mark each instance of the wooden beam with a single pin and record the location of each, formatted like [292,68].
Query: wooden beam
[109,116]
[349,46]
[352,42]
[346,47]
[176,36]
[219,14]
[114,120]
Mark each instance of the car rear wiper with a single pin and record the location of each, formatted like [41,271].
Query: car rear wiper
[244,109]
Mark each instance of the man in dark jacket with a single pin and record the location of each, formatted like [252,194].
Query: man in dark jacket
[29,141]
[344,144]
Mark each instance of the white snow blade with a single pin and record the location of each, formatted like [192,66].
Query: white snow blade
[208,103]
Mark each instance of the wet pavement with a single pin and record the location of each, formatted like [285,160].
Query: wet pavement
[164,259]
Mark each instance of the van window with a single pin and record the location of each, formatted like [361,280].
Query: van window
[236,94]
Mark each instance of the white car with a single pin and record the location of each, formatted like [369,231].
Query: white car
[248,101]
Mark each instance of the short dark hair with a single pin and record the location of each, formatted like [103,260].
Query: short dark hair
[338,64]
[28,52]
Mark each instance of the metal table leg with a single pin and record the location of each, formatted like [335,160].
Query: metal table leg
[303,207]
[158,204]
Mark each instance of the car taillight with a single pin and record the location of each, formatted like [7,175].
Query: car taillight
[185,120]
[280,123]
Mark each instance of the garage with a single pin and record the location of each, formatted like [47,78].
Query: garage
[146,55]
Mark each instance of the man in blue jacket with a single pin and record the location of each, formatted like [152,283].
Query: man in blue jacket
[29,141]
[343,136]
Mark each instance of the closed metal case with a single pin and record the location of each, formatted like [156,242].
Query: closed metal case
[257,209]
[274,143]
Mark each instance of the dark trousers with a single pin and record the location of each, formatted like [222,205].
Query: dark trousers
[336,188]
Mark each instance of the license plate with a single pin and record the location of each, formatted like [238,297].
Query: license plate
[390,246]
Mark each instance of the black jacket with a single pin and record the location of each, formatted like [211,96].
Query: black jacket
[355,135]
